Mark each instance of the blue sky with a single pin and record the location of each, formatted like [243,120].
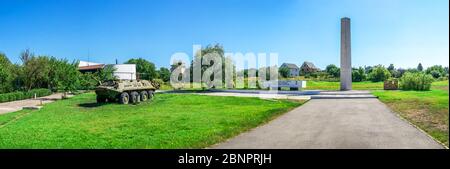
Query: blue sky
[402,32]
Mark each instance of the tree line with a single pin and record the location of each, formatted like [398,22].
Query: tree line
[35,72]
[375,73]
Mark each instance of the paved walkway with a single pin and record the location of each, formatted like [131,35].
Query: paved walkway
[335,123]
[13,106]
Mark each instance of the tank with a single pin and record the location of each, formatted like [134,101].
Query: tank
[126,91]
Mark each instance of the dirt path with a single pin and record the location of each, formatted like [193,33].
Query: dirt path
[13,106]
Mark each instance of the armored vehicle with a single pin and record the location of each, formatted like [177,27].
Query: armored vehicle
[126,91]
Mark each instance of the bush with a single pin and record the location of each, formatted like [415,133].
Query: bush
[358,75]
[416,81]
[13,96]
[378,74]
[157,83]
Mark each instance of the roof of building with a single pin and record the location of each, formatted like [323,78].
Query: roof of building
[290,65]
[91,67]
[309,64]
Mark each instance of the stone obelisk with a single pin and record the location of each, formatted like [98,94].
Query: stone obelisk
[346,55]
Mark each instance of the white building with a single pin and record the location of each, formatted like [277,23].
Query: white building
[125,71]
[122,71]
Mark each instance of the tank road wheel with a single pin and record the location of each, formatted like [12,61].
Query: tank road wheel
[134,97]
[124,98]
[151,93]
[144,96]
[101,99]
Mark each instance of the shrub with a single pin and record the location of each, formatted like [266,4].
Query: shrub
[379,73]
[358,75]
[13,96]
[157,83]
[416,81]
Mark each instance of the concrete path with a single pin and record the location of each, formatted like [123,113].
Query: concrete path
[13,106]
[335,124]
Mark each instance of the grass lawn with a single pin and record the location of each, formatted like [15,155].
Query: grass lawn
[323,85]
[169,121]
[426,109]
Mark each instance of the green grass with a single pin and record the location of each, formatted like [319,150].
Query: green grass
[429,110]
[316,85]
[324,85]
[169,121]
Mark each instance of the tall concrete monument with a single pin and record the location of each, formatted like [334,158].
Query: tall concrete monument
[346,55]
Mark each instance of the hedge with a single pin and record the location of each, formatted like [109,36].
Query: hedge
[13,96]
[416,81]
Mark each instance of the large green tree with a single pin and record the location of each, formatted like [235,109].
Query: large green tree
[379,73]
[211,49]
[164,74]
[6,74]
[333,70]
[36,72]
[67,76]
[145,69]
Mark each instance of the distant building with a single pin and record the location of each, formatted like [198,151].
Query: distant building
[92,67]
[308,67]
[293,69]
[122,71]
[125,71]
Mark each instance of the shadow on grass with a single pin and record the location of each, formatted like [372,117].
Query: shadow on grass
[92,105]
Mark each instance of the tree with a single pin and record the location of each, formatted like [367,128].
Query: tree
[88,81]
[400,72]
[391,67]
[284,71]
[144,68]
[333,70]
[211,49]
[420,67]
[379,73]
[396,73]
[6,74]
[164,74]
[436,71]
[26,55]
[35,72]
[106,74]
[67,76]
[359,74]
[412,70]
[368,69]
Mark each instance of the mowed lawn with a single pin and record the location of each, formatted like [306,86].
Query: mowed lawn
[324,85]
[429,110]
[169,121]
